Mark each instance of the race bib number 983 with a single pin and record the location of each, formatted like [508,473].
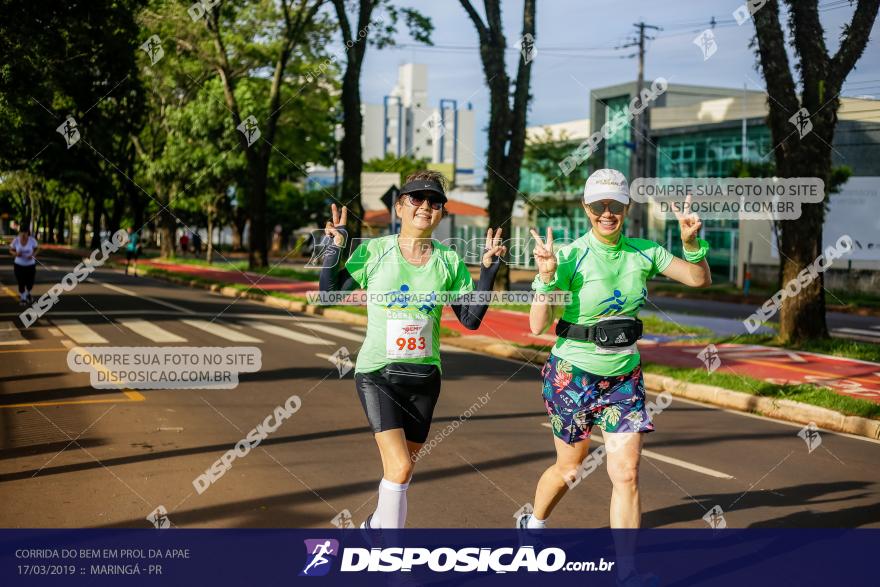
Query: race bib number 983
[409,339]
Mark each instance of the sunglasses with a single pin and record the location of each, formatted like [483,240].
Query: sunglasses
[598,208]
[417,201]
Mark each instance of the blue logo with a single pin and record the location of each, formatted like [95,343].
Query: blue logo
[615,305]
[320,554]
[402,297]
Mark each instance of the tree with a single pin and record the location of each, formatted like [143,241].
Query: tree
[801,152]
[77,60]
[507,122]
[241,47]
[350,148]
[390,163]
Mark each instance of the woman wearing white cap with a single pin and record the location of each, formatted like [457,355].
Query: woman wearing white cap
[593,375]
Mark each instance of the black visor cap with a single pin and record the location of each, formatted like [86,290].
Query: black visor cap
[421,185]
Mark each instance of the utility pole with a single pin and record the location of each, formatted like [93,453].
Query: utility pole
[639,134]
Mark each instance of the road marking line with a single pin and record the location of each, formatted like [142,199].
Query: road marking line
[10,335]
[670,460]
[221,331]
[56,349]
[128,292]
[149,330]
[334,332]
[289,333]
[870,333]
[79,332]
[130,394]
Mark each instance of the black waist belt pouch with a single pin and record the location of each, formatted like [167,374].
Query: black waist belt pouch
[413,376]
[609,333]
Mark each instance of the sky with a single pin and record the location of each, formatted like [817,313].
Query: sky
[576,40]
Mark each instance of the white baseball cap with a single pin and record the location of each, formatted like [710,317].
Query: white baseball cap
[606,184]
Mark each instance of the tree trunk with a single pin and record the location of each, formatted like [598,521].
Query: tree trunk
[97,213]
[350,148]
[507,122]
[240,222]
[83,221]
[209,254]
[50,224]
[167,226]
[258,251]
[801,151]
[62,216]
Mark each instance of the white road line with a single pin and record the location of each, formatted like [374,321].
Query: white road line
[334,332]
[289,333]
[128,292]
[870,333]
[149,330]
[221,331]
[670,460]
[10,335]
[79,332]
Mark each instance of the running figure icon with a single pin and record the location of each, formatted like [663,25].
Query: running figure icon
[319,553]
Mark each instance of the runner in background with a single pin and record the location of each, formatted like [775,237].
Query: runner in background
[132,250]
[24,249]
[398,370]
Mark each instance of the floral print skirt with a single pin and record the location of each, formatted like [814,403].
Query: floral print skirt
[577,400]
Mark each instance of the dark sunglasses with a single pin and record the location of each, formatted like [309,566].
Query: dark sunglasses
[417,201]
[598,208]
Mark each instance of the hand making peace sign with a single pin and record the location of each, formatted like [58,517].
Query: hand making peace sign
[338,222]
[544,256]
[688,222]
[494,248]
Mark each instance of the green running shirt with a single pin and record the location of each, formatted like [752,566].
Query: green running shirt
[605,280]
[407,327]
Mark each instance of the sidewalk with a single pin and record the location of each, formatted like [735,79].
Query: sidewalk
[233,276]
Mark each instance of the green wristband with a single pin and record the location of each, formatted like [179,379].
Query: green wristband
[539,286]
[698,255]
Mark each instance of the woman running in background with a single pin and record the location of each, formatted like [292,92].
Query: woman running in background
[24,249]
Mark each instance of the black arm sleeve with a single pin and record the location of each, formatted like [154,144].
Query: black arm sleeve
[333,277]
[469,312]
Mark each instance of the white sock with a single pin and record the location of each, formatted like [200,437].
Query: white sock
[391,509]
[535,524]
[24,295]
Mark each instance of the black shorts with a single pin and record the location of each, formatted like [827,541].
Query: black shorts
[129,255]
[400,395]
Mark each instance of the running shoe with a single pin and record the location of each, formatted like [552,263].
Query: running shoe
[372,536]
[528,536]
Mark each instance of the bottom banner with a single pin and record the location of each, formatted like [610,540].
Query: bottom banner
[732,557]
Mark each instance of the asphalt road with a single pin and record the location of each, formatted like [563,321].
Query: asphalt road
[104,458]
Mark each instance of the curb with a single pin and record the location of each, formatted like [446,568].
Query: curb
[778,409]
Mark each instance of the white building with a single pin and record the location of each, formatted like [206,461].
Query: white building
[406,124]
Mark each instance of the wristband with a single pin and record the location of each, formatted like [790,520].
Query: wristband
[539,286]
[698,255]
